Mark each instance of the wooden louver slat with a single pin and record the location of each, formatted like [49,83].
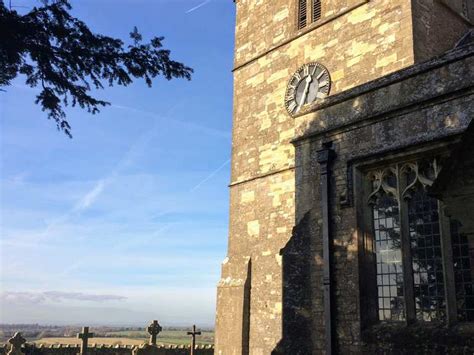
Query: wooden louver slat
[316,10]
[302,14]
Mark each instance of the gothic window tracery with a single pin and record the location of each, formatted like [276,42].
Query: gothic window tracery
[411,257]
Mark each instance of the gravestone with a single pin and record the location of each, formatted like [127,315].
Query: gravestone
[193,339]
[154,329]
[85,335]
[150,349]
[16,342]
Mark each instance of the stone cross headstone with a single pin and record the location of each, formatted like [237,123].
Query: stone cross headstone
[154,329]
[16,341]
[150,349]
[193,339]
[85,335]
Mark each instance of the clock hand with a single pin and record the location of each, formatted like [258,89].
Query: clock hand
[309,79]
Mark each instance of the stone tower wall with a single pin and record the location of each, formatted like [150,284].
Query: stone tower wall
[358,41]
[436,28]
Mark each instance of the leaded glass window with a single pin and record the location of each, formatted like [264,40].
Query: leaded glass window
[388,258]
[426,257]
[463,258]
[424,263]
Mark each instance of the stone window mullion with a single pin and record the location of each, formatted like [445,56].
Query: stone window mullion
[407,261]
[448,266]
[369,271]
[413,247]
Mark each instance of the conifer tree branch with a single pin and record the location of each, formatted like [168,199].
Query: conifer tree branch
[59,52]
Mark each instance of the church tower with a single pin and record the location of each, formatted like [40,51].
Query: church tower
[338,45]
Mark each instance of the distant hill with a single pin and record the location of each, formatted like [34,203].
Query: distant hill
[53,334]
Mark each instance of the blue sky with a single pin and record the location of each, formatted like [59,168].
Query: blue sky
[126,222]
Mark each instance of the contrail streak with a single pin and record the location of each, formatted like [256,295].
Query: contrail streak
[198,6]
[210,176]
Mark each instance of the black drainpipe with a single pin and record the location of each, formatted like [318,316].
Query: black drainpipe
[325,157]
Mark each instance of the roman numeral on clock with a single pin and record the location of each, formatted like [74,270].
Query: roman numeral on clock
[306,70]
[323,83]
[292,106]
[290,97]
[309,83]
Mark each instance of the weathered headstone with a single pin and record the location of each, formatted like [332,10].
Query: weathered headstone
[85,335]
[154,329]
[16,342]
[150,349]
[193,338]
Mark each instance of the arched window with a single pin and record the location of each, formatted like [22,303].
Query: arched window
[417,249]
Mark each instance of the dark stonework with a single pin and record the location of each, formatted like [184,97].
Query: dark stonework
[418,339]
[421,110]
[296,256]
[455,185]
[325,158]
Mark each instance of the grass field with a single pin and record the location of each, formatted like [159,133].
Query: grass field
[176,337]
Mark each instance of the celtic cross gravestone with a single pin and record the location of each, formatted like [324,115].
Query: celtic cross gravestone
[154,329]
[16,342]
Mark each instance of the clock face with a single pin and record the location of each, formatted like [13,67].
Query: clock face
[309,83]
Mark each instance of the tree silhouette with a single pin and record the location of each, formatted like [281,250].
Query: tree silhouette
[59,53]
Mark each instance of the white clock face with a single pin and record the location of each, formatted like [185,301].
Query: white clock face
[309,83]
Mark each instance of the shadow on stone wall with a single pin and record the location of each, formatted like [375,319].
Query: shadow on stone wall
[418,339]
[296,324]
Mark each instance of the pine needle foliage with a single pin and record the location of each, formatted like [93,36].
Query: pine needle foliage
[58,53]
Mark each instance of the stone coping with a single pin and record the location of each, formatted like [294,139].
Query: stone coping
[392,78]
[405,89]
[107,346]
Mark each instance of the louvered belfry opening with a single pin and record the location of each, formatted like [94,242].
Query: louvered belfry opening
[316,10]
[302,13]
[303,16]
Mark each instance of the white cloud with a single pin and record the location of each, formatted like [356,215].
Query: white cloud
[54,296]
[181,306]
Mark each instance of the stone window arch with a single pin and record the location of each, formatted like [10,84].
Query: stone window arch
[423,267]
